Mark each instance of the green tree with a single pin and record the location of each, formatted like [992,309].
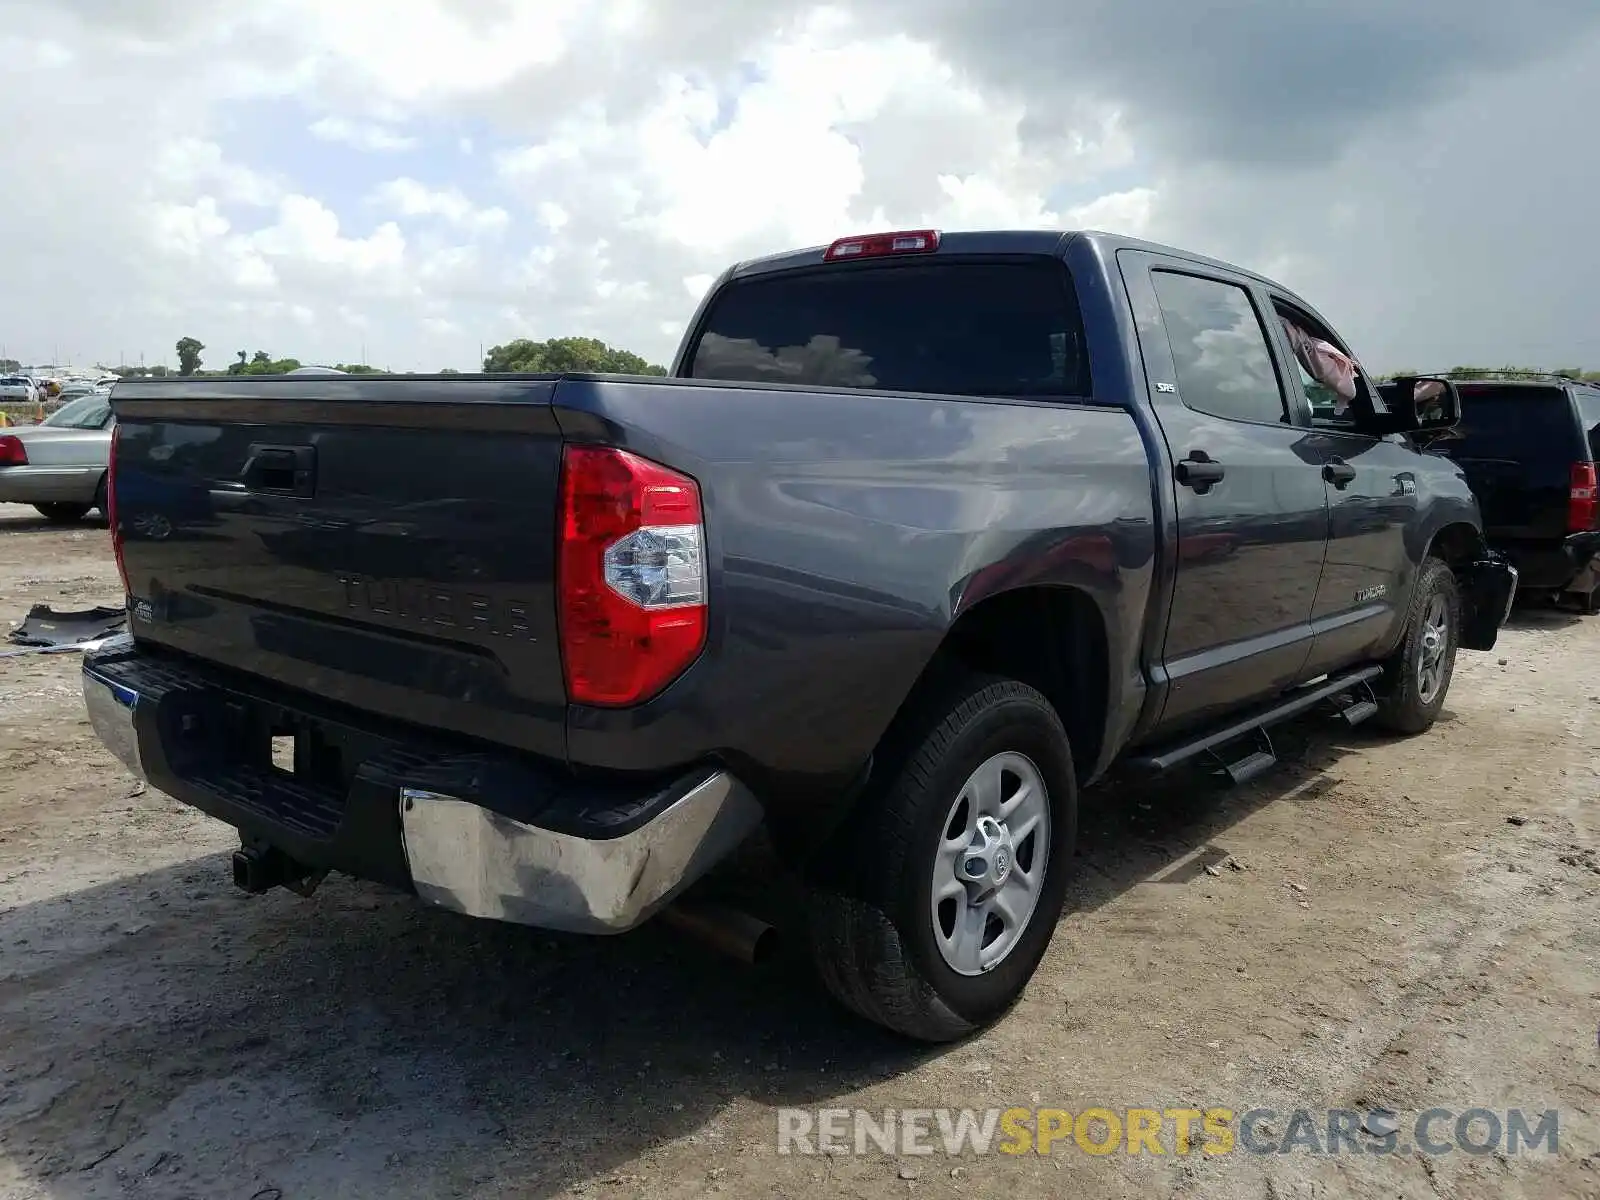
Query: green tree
[567,354]
[261,363]
[357,369]
[189,355]
[9,365]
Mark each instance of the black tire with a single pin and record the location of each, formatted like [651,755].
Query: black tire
[871,923]
[63,514]
[1405,708]
[100,500]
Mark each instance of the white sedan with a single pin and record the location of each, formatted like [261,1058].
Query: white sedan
[18,389]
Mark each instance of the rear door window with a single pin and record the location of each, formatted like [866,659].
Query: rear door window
[1219,349]
[973,328]
[1588,399]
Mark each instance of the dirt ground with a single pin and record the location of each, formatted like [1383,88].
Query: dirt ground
[1393,939]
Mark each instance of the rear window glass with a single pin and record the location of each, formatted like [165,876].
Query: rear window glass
[1520,424]
[959,328]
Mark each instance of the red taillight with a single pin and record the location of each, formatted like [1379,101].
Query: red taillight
[12,452]
[881,245]
[1582,503]
[631,579]
[111,509]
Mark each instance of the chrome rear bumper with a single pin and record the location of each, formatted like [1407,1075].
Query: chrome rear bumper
[470,859]
[466,858]
[111,711]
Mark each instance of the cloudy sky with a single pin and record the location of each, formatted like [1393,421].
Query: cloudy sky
[418,177]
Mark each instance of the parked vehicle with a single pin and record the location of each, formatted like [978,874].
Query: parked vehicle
[17,389]
[920,537]
[1529,449]
[59,465]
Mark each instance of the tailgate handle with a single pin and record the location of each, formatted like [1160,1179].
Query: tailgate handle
[281,470]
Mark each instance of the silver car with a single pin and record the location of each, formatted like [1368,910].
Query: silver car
[59,466]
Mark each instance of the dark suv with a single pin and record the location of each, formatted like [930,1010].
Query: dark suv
[1528,449]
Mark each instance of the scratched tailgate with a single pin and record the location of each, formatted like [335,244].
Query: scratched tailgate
[384,542]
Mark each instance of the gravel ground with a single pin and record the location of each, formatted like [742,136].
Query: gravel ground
[1413,925]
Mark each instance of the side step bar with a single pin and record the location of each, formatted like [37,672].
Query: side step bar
[1256,723]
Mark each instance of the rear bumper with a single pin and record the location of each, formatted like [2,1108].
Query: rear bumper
[467,831]
[1583,551]
[1569,565]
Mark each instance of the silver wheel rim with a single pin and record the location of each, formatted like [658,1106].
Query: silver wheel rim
[1435,641]
[994,848]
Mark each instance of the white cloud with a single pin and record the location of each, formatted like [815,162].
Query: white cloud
[362,135]
[1128,213]
[589,166]
[412,199]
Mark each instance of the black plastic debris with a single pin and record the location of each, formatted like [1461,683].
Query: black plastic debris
[44,626]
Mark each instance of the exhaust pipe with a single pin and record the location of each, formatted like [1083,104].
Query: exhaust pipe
[736,934]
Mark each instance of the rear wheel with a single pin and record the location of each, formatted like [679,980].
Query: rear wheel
[62,514]
[945,891]
[1418,673]
[100,499]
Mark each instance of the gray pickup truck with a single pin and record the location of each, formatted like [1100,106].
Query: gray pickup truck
[921,535]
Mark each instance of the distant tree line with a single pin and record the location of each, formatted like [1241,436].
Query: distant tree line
[521,355]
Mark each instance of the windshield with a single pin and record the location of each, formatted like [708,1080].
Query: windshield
[975,328]
[90,412]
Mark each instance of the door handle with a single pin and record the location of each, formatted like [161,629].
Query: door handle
[1339,473]
[1199,472]
[281,470]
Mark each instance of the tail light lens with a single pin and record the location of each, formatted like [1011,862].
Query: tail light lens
[631,576]
[111,509]
[1582,503]
[12,452]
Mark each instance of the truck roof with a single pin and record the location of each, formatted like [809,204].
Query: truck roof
[1005,241]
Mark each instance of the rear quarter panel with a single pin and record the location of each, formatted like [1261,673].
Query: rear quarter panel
[847,531]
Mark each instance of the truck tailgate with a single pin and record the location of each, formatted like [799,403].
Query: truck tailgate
[383,543]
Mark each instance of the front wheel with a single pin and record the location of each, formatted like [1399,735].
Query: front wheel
[1418,674]
[62,514]
[947,886]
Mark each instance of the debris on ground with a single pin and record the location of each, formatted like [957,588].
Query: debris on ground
[44,626]
[46,631]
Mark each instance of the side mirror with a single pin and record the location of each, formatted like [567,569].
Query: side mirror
[1422,404]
